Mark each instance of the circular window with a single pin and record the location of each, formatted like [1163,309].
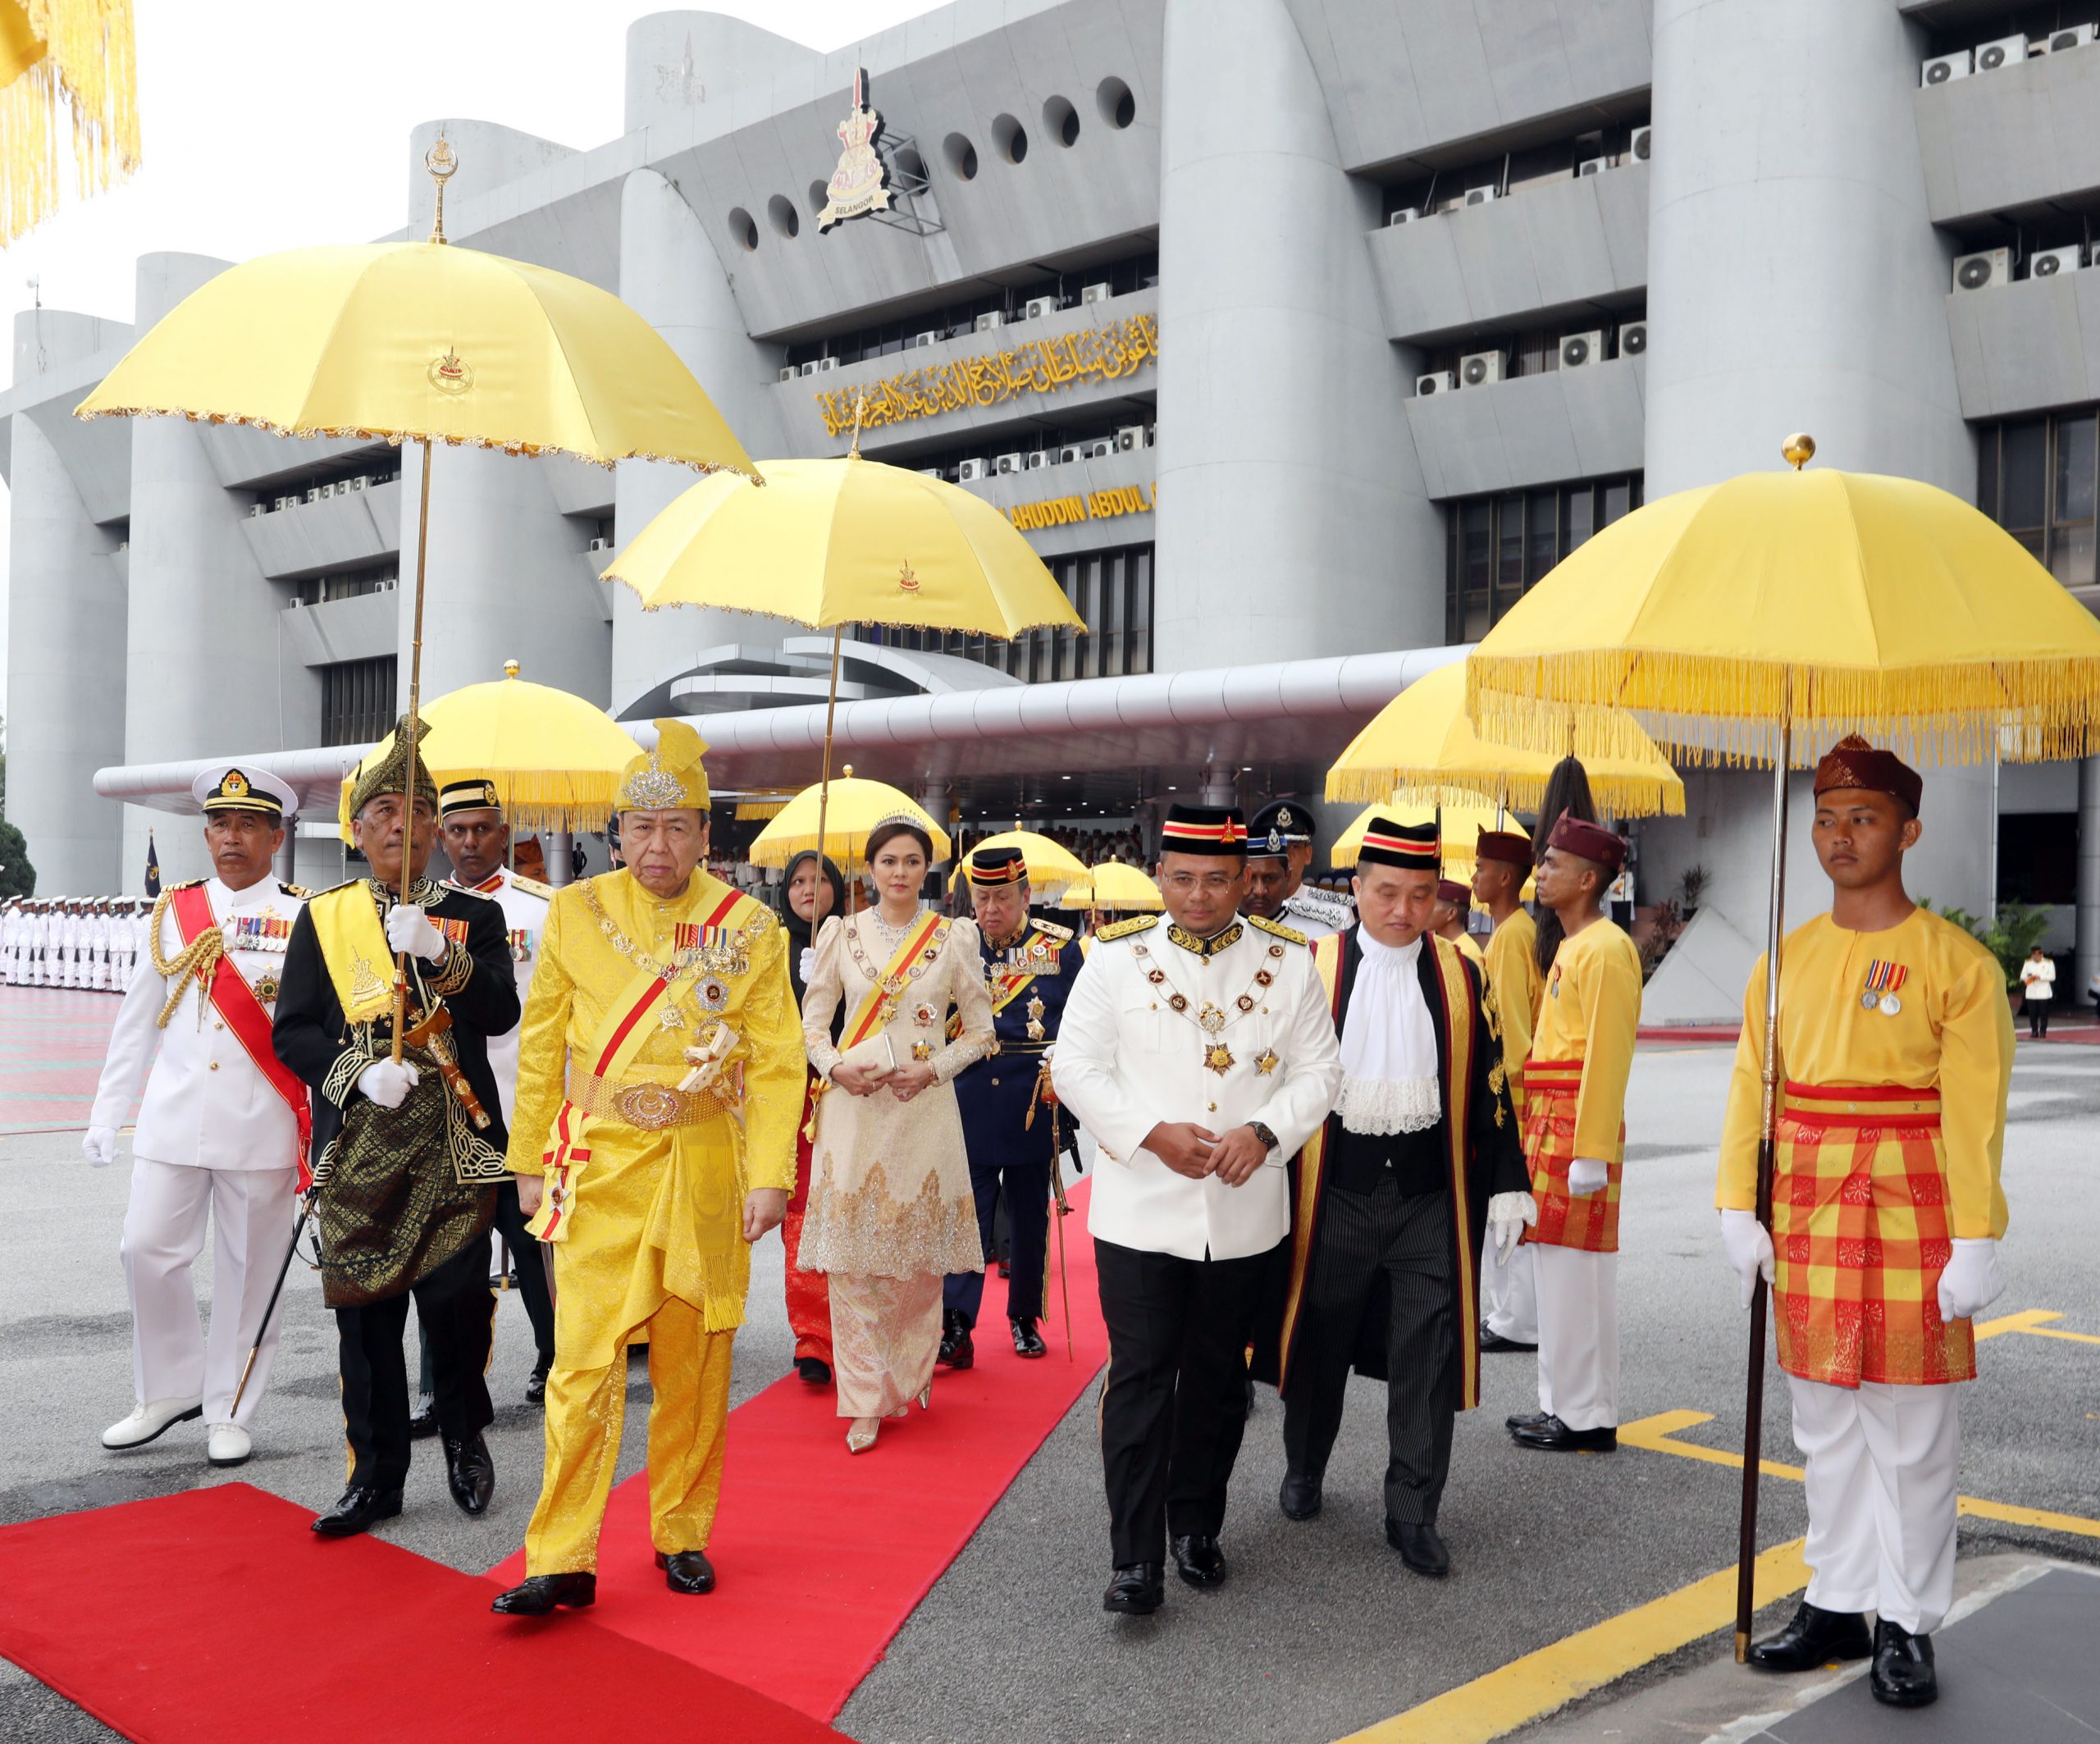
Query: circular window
[786,220]
[1061,121]
[962,156]
[1011,138]
[741,230]
[1118,108]
[820,197]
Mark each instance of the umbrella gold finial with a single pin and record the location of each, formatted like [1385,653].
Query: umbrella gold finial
[860,411]
[442,161]
[1799,449]
[510,669]
[848,772]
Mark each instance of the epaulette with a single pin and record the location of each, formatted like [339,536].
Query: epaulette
[1126,928]
[532,887]
[187,883]
[300,891]
[333,889]
[1051,929]
[446,890]
[1291,934]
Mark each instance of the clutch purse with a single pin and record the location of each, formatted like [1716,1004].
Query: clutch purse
[877,1054]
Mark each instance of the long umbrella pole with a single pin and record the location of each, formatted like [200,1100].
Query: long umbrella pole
[415,699]
[1753,1426]
[830,710]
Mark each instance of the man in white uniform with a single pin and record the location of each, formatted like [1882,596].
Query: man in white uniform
[11,940]
[221,1132]
[1201,1055]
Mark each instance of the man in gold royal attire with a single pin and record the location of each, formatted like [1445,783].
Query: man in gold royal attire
[660,1080]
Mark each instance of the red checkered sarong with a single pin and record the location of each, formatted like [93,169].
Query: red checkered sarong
[1551,1090]
[1860,1236]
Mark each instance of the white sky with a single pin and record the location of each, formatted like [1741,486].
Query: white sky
[276,123]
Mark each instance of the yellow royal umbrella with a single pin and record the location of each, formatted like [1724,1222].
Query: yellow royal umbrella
[1421,749]
[832,542]
[1051,869]
[856,807]
[555,759]
[1460,824]
[1113,884]
[67,67]
[1758,619]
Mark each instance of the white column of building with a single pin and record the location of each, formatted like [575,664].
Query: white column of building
[65,642]
[203,663]
[1795,282]
[670,273]
[2089,884]
[1292,521]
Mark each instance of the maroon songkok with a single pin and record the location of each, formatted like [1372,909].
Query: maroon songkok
[1853,763]
[1510,846]
[1590,842]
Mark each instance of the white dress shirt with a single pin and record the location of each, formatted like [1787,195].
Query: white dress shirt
[1126,1060]
[524,919]
[207,1105]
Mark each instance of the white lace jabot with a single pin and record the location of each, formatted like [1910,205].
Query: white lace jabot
[1389,1045]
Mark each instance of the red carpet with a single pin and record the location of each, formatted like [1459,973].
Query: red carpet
[273,1635]
[822,1555]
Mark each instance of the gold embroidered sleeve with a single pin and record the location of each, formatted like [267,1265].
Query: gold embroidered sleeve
[973,1005]
[822,995]
[342,1079]
[455,971]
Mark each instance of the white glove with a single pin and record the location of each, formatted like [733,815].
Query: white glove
[386,1084]
[1508,1215]
[808,965]
[1971,1281]
[99,1147]
[1587,1177]
[408,929]
[1748,1244]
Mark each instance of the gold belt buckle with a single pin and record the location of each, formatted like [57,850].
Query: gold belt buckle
[651,1106]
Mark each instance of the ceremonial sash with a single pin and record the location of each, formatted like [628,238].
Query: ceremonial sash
[354,945]
[873,1013]
[1304,1223]
[620,1036]
[235,1002]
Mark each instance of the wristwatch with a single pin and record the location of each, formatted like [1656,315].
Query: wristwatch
[1268,1138]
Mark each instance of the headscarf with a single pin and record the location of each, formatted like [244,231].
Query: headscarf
[800,935]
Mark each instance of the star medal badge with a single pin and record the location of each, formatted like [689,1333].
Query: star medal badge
[1882,982]
[1035,1010]
[922,1050]
[714,993]
[1218,1058]
[1266,1061]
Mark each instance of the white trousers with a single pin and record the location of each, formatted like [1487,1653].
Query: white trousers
[250,1211]
[1509,1295]
[1883,1462]
[1578,1336]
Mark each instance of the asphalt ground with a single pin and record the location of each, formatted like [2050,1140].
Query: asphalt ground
[1319,1631]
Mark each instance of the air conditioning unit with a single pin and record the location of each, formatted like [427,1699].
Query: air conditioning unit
[1100,293]
[313,493]
[1100,448]
[932,471]
[808,369]
[2072,36]
[333,490]
[1578,349]
[388,583]
[826,364]
[1637,146]
[1592,167]
[1632,339]
[296,602]
[1983,272]
[788,372]
[2045,263]
[2007,51]
[361,482]
[1943,68]
[1129,438]
[285,502]
[1037,459]
[1482,196]
[600,544]
[1405,215]
[1477,368]
[971,471]
[255,511]
[1068,454]
[919,341]
[1039,307]
[1002,464]
[990,323]
[1438,381]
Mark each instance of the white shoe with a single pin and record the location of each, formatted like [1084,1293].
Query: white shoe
[227,1444]
[149,1422]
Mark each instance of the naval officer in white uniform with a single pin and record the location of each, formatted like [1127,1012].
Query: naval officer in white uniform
[1279,851]
[219,1137]
[1201,1053]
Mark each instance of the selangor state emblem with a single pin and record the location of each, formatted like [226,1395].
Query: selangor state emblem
[861,184]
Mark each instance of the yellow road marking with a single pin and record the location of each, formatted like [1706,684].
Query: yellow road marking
[1531,1687]
[2032,1321]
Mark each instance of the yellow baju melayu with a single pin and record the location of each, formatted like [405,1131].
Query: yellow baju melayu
[645,1181]
[1515,989]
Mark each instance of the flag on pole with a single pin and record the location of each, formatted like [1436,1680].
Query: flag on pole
[153,867]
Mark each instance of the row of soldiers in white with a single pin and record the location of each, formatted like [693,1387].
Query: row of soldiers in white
[93,942]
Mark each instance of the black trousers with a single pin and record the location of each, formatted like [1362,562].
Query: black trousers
[1174,1404]
[1028,1218]
[529,1261]
[458,1314]
[2038,1018]
[1408,1239]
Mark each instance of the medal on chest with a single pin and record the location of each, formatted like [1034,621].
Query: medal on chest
[1879,993]
[1212,1019]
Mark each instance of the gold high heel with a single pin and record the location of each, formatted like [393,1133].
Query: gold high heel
[926,1397]
[861,1437]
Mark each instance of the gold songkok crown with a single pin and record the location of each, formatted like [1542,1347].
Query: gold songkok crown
[670,778]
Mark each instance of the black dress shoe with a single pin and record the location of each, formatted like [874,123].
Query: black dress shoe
[1815,1638]
[538,1594]
[1524,1420]
[1551,1435]
[358,1509]
[1136,1589]
[1027,1342]
[536,1389]
[1198,1560]
[1903,1674]
[958,1350]
[687,1571]
[1496,1341]
[469,1473]
[1420,1548]
[422,1422]
[814,1371]
[1300,1498]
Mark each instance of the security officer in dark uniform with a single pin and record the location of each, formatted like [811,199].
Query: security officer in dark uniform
[1279,850]
[1030,965]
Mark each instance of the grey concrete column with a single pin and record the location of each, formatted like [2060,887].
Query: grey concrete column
[560,842]
[670,274]
[1292,521]
[65,663]
[2089,880]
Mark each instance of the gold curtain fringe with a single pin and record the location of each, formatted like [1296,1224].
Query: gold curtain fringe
[757,811]
[1723,713]
[535,802]
[1623,795]
[86,79]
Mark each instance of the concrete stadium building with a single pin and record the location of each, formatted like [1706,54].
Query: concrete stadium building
[1300,336]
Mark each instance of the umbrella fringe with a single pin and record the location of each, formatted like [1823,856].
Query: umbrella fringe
[900,623]
[1622,796]
[1723,713]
